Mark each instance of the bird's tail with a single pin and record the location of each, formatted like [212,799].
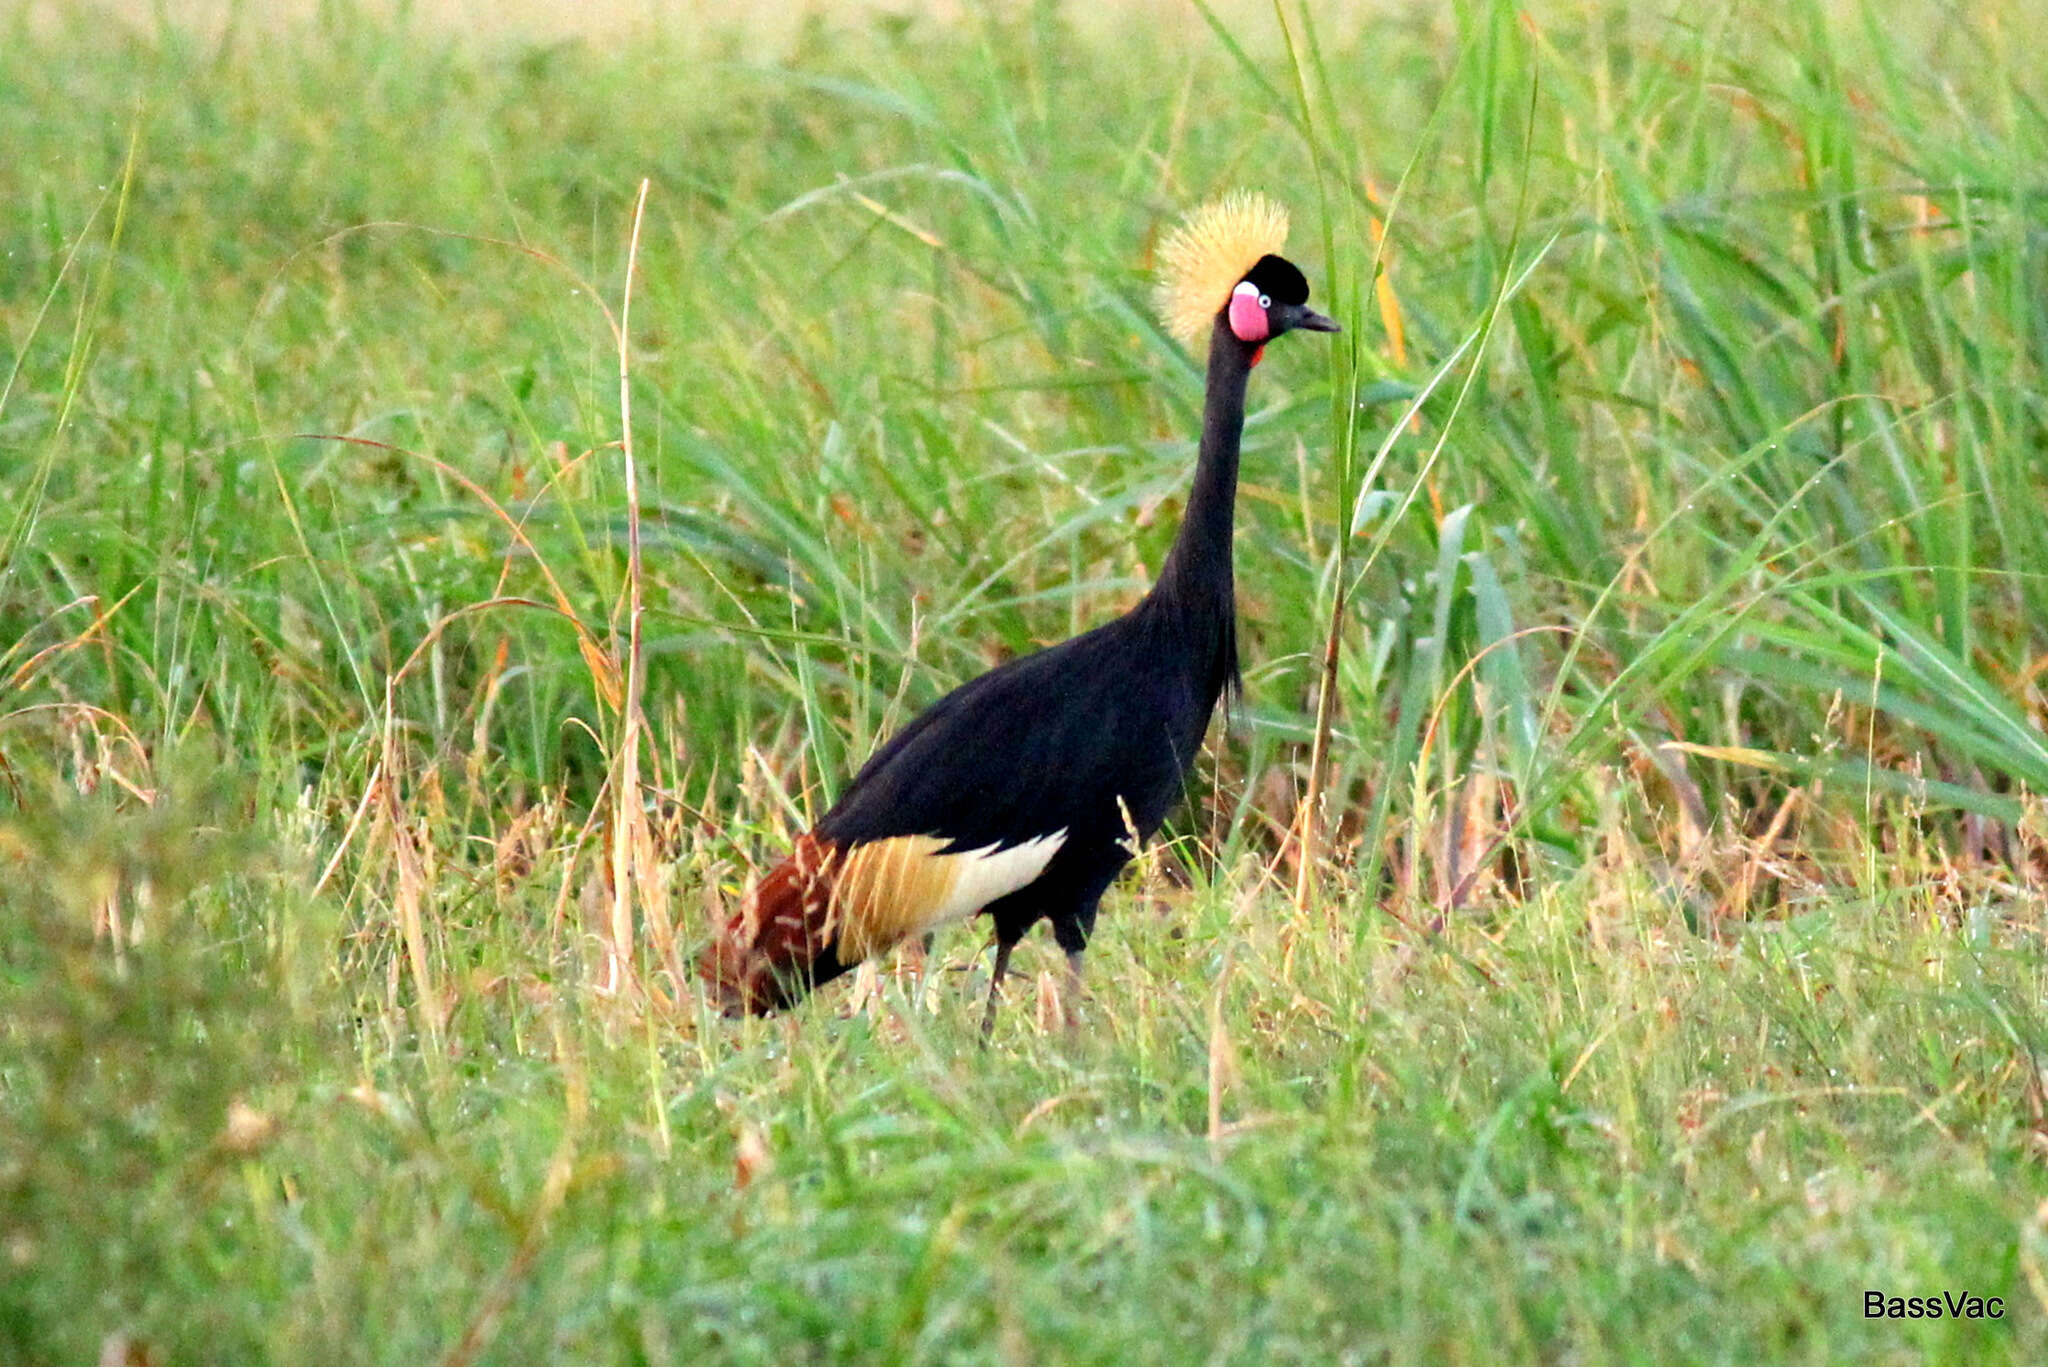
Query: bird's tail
[778,945]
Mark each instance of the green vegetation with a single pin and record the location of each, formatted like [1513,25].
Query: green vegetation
[1666,967]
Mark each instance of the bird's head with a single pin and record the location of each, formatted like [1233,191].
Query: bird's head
[1222,266]
[1272,299]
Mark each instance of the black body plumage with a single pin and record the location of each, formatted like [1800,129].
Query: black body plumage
[1094,736]
[1084,747]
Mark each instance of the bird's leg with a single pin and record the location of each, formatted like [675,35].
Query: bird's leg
[1071,932]
[995,988]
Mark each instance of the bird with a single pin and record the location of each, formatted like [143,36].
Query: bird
[1021,794]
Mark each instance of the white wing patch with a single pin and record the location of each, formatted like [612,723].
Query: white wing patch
[889,890]
[993,871]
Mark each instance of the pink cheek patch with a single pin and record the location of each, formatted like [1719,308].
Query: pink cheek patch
[1247,319]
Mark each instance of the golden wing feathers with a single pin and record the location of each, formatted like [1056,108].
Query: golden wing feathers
[857,902]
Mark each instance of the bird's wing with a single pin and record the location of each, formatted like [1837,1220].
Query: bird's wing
[1027,749]
[970,802]
[834,903]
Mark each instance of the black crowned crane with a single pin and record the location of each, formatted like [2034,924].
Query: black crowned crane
[1017,794]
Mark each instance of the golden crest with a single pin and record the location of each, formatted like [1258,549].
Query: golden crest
[1202,260]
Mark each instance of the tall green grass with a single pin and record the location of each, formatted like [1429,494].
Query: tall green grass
[1645,589]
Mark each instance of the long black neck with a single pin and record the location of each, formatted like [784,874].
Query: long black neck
[1196,584]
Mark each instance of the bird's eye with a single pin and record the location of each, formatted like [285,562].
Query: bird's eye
[1265,301]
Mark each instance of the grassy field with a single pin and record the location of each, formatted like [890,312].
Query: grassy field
[1630,948]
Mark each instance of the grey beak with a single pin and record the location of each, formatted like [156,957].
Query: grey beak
[1312,321]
